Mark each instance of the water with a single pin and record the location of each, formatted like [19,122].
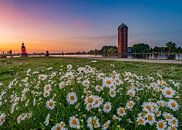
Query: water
[150,56]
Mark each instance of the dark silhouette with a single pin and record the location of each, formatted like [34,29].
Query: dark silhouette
[23,51]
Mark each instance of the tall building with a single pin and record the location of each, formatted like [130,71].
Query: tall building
[122,41]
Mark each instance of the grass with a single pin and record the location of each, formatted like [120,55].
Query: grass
[17,67]
[9,68]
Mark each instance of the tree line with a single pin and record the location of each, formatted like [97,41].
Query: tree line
[139,48]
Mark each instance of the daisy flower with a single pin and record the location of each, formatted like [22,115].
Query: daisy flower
[61,85]
[107,107]
[46,122]
[59,126]
[98,88]
[93,122]
[150,118]
[112,92]
[131,92]
[50,104]
[86,83]
[121,111]
[2,119]
[46,93]
[173,122]
[90,99]
[71,98]
[108,82]
[117,81]
[106,125]
[74,122]
[130,104]
[161,125]
[168,92]
[42,77]
[69,66]
[47,87]
[147,106]
[172,104]
[168,116]
[141,121]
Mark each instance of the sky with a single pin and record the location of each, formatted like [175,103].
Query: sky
[82,25]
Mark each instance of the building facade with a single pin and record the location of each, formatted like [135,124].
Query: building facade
[122,41]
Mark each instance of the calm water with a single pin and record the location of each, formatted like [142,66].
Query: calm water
[151,56]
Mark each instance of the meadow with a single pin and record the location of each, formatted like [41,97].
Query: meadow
[77,93]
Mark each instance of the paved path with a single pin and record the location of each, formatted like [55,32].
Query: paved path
[141,60]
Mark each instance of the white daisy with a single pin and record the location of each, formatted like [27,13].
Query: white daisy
[98,88]
[168,92]
[46,122]
[112,92]
[106,125]
[107,107]
[93,122]
[2,119]
[46,93]
[141,121]
[71,98]
[168,116]
[86,83]
[121,111]
[61,85]
[130,104]
[161,125]
[74,122]
[172,104]
[69,66]
[47,87]
[117,81]
[108,82]
[173,122]
[131,92]
[50,104]
[150,118]
[42,77]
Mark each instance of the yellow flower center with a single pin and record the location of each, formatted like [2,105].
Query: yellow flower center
[150,117]
[173,104]
[161,125]
[107,107]
[140,121]
[74,122]
[168,92]
[108,82]
[130,104]
[121,111]
[90,100]
[72,97]
[51,104]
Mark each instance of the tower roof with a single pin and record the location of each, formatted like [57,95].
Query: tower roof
[122,25]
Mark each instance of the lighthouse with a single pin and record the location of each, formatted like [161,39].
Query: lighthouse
[23,50]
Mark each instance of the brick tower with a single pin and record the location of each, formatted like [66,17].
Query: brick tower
[122,41]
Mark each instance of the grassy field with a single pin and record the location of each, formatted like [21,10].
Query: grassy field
[10,67]
[16,68]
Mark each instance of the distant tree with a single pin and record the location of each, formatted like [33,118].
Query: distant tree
[141,48]
[179,50]
[109,50]
[171,47]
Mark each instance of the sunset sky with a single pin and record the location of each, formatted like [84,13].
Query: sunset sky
[77,25]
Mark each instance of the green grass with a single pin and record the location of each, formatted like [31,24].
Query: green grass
[9,68]
[17,67]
